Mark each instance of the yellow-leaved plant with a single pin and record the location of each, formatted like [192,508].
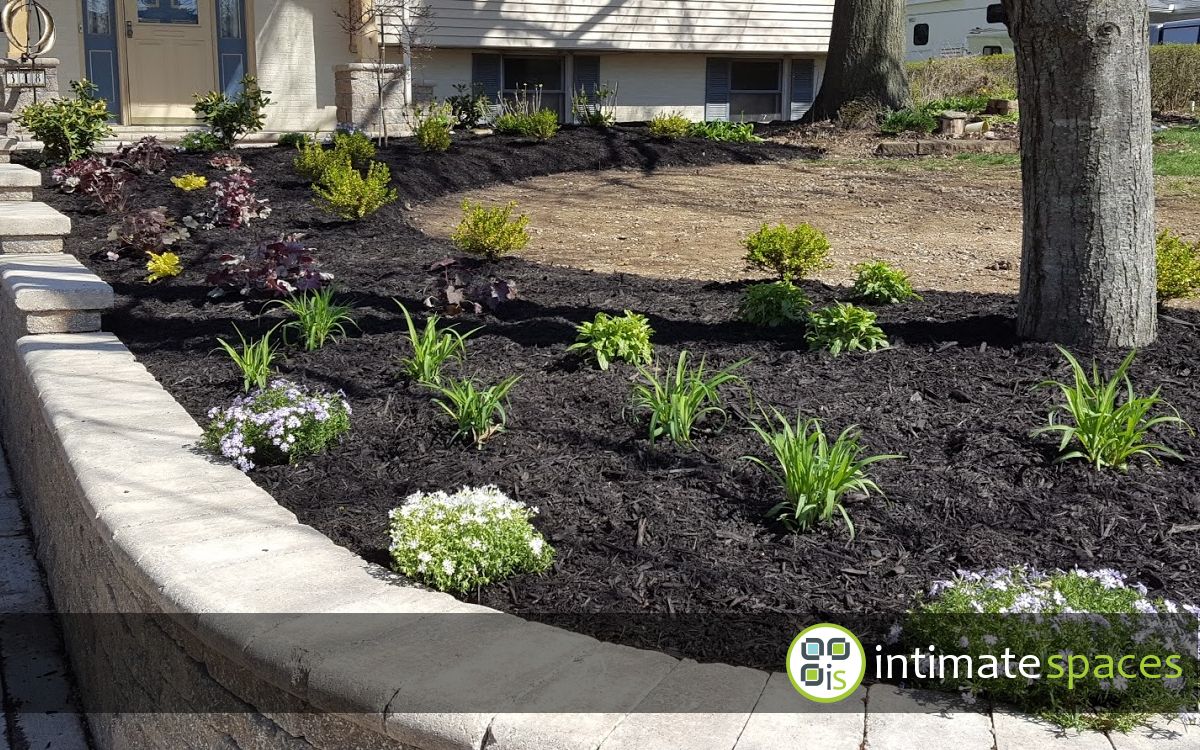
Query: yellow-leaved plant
[163,266]
[190,181]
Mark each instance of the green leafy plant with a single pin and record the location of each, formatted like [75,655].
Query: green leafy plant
[200,142]
[295,140]
[432,348]
[595,108]
[313,160]
[479,413]
[1110,430]
[461,541]
[434,125]
[773,304]
[606,338]
[253,359]
[229,120]
[791,253]
[814,474]
[908,121]
[1178,267]
[490,231]
[720,130]
[68,128]
[843,327]
[683,398]
[522,114]
[317,318]
[470,106]
[346,192]
[356,145]
[670,126]
[879,283]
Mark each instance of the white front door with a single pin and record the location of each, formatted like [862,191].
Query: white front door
[169,57]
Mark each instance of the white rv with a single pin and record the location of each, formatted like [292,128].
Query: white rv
[956,28]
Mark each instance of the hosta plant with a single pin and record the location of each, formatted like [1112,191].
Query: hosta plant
[1111,654]
[148,231]
[678,403]
[163,266]
[774,304]
[881,284]
[432,347]
[490,231]
[277,268]
[348,193]
[234,202]
[608,338]
[190,181]
[813,473]
[478,413]
[843,327]
[279,424]
[791,253]
[1178,267]
[1104,420]
[460,541]
[316,318]
[252,358]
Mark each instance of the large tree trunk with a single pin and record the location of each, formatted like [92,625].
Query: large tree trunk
[1087,263]
[866,58]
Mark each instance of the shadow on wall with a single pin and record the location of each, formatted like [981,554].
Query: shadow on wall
[297,43]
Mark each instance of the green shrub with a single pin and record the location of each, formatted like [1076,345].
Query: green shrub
[432,348]
[790,253]
[314,160]
[470,107]
[1178,267]
[70,127]
[295,140]
[607,338]
[844,328]
[813,473]
[881,284]
[542,124]
[279,424]
[490,231]
[478,412]
[355,145]
[346,192]
[1174,77]
[1065,618]
[720,130]
[461,541]
[252,359]
[1108,421]
[680,401]
[670,126]
[908,121]
[317,318]
[773,304]
[200,142]
[227,119]
[434,125]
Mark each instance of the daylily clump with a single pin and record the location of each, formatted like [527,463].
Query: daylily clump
[473,537]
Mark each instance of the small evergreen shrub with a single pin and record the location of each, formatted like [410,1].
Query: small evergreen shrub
[773,304]
[607,338]
[844,328]
[69,128]
[190,181]
[490,231]
[670,126]
[346,192]
[470,106]
[461,541]
[313,160]
[1178,267]
[279,424]
[295,140]
[356,145]
[542,124]
[163,266]
[790,253]
[881,284]
[909,121]
[228,120]
[200,142]
[434,125]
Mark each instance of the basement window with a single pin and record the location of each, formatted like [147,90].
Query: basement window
[921,35]
[755,89]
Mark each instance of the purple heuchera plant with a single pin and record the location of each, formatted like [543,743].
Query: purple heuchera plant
[94,177]
[147,156]
[455,291]
[228,163]
[234,202]
[278,268]
[148,230]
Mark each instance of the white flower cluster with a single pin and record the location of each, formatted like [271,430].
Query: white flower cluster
[472,537]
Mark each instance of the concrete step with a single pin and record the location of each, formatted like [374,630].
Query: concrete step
[31,227]
[17,182]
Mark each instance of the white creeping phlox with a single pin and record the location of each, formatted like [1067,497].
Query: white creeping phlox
[473,537]
[277,424]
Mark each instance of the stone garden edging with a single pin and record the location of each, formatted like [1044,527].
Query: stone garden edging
[130,518]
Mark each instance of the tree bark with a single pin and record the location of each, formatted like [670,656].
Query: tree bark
[1087,261]
[866,58]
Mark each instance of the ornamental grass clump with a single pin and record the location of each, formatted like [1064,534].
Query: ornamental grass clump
[880,284]
[252,358]
[432,348]
[678,403]
[479,413]
[842,327]
[773,304]
[1109,654]
[814,473]
[608,338]
[490,231]
[278,424]
[791,253]
[461,541]
[316,318]
[1178,267]
[1107,422]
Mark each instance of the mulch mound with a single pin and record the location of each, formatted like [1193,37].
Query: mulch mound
[657,545]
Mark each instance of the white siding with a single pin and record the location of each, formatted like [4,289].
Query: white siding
[645,25]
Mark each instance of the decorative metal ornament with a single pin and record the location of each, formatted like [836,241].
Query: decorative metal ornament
[37,17]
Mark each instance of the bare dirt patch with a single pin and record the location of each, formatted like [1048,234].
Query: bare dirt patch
[956,228]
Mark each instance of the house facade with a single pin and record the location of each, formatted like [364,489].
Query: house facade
[708,59]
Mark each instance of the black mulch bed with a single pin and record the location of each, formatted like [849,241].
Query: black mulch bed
[656,531]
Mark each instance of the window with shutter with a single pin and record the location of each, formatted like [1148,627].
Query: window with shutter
[716,89]
[804,80]
[485,74]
